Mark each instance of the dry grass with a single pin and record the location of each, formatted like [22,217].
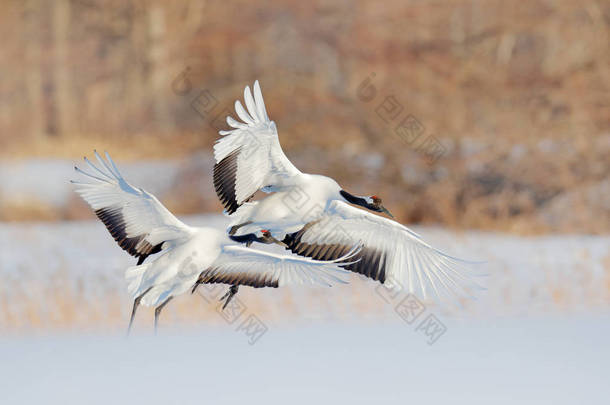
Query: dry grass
[65,304]
[69,304]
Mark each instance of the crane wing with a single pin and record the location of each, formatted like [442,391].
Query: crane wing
[238,265]
[249,157]
[392,254]
[135,218]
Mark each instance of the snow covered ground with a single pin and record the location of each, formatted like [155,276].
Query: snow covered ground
[552,360]
[58,275]
[538,334]
[47,180]
[32,187]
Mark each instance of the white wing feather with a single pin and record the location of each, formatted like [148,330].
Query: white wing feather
[261,161]
[259,269]
[134,212]
[406,260]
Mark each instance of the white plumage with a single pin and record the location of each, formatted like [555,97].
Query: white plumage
[143,226]
[312,215]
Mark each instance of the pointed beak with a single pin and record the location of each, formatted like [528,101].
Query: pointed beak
[384,209]
[279,242]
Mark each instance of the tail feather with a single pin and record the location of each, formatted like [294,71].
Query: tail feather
[155,296]
[159,281]
[134,276]
[139,282]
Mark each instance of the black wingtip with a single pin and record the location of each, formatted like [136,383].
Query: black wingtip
[195,287]
[370,262]
[224,176]
[112,218]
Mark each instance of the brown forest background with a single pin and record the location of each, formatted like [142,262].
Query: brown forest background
[516,93]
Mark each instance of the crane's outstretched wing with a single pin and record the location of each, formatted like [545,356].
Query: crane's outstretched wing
[392,254]
[249,157]
[135,219]
[238,265]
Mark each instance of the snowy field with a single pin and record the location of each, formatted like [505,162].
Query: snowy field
[47,180]
[502,361]
[539,334]
[70,275]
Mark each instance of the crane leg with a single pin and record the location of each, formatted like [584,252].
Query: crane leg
[158,312]
[229,295]
[136,303]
